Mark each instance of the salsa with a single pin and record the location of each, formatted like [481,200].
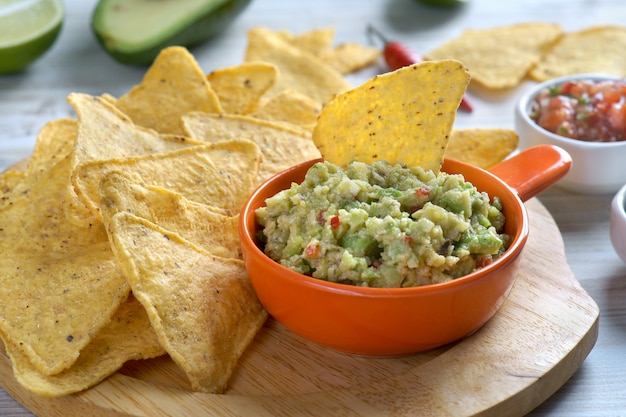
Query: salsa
[593,111]
[382,225]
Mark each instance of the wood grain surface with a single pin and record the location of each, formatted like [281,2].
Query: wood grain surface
[534,343]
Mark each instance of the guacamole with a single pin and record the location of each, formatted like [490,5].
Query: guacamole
[381,225]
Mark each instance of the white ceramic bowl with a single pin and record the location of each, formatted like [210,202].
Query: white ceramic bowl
[618,223]
[598,167]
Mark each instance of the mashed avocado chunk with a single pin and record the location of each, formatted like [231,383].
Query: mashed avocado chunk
[381,225]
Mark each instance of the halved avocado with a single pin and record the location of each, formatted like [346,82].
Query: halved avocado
[134,31]
[444,3]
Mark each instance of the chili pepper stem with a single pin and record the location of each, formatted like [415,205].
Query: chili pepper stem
[373,32]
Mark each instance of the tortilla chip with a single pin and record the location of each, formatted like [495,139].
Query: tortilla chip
[205,226]
[500,57]
[314,41]
[349,57]
[109,98]
[298,69]
[291,107]
[598,49]
[281,146]
[53,276]
[345,58]
[219,174]
[11,186]
[384,120]
[240,88]
[483,148]
[172,86]
[202,307]
[123,138]
[54,142]
[128,336]
[9,181]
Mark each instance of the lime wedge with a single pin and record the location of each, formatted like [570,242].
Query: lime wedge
[27,29]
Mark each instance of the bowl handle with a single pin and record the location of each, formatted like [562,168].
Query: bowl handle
[533,170]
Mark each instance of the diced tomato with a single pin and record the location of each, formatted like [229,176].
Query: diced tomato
[320,218]
[617,116]
[576,90]
[335,222]
[566,88]
[612,95]
[557,113]
[312,251]
[483,261]
[422,192]
[587,110]
[602,106]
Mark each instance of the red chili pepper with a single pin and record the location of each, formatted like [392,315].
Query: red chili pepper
[398,55]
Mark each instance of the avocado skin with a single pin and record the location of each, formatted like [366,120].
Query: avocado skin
[203,28]
[443,3]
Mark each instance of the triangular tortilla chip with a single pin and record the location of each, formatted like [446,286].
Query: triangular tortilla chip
[205,226]
[384,120]
[281,146]
[128,336]
[298,69]
[203,307]
[598,49]
[349,57]
[499,57]
[240,88]
[314,41]
[219,174]
[173,86]
[10,179]
[291,107]
[55,141]
[483,148]
[54,274]
[123,138]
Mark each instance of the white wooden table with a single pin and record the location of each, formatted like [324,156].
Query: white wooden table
[77,63]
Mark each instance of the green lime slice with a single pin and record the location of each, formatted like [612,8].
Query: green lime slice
[27,29]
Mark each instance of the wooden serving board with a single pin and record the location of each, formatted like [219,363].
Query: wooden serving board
[533,344]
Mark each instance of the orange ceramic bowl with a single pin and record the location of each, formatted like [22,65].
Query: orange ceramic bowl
[400,321]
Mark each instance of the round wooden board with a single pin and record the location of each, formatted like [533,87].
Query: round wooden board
[534,343]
